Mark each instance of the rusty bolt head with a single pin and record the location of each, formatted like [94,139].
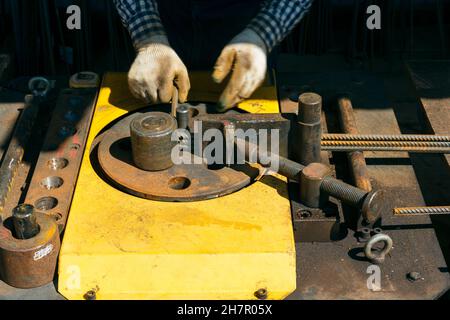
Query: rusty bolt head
[373,206]
[90,295]
[261,294]
[305,214]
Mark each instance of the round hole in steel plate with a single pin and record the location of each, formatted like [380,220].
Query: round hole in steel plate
[46,203]
[179,183]
[57,163]
[51,183]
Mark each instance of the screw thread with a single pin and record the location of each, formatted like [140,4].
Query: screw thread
[343,191]
[408,138]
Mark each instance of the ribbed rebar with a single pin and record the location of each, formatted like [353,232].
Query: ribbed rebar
[420,144]
[383,137]
[408,146]
[421,211]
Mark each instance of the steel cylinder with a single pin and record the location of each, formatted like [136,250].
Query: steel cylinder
[151,140]
[349,194]
[25,224]
[311,179]
[183,116]
[30,263]
[309,128]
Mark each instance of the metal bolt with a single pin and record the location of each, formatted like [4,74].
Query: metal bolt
[343,191]
[410,146]
[372,203]
[90,295]
[381,137]
[261,294]
[183,115]
[151,140]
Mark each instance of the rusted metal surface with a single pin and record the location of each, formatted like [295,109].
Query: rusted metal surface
[181,182]
[432,82]
[56,171]
[356,159]
[309,128]
[283,122]
[316,182]
[29,263]
[19,190]
[390,146]
[339,270]
[25,222]
[15,151]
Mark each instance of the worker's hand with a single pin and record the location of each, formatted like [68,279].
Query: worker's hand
[155,71]
[246,57]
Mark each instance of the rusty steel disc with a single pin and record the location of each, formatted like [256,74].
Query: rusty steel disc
[180,183]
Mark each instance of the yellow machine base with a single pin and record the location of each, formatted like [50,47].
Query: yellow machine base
[124,247]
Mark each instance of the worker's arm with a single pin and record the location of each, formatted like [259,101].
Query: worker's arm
[277,19]
[156,67]
[246,55]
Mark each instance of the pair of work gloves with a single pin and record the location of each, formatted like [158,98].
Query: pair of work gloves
[157,68]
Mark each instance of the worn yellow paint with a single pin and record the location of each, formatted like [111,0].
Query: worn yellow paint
[130,248]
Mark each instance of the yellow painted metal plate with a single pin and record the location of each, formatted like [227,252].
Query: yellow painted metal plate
[126,247]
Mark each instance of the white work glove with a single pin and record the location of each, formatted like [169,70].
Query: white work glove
[246,57]
[155,71]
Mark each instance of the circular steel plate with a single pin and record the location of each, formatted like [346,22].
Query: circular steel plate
[183,183]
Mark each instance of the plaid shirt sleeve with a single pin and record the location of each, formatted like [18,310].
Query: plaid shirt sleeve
[277,18]
[141,18]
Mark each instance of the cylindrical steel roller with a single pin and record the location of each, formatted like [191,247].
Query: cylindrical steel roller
[310,128]
[25,224]
[151,140]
